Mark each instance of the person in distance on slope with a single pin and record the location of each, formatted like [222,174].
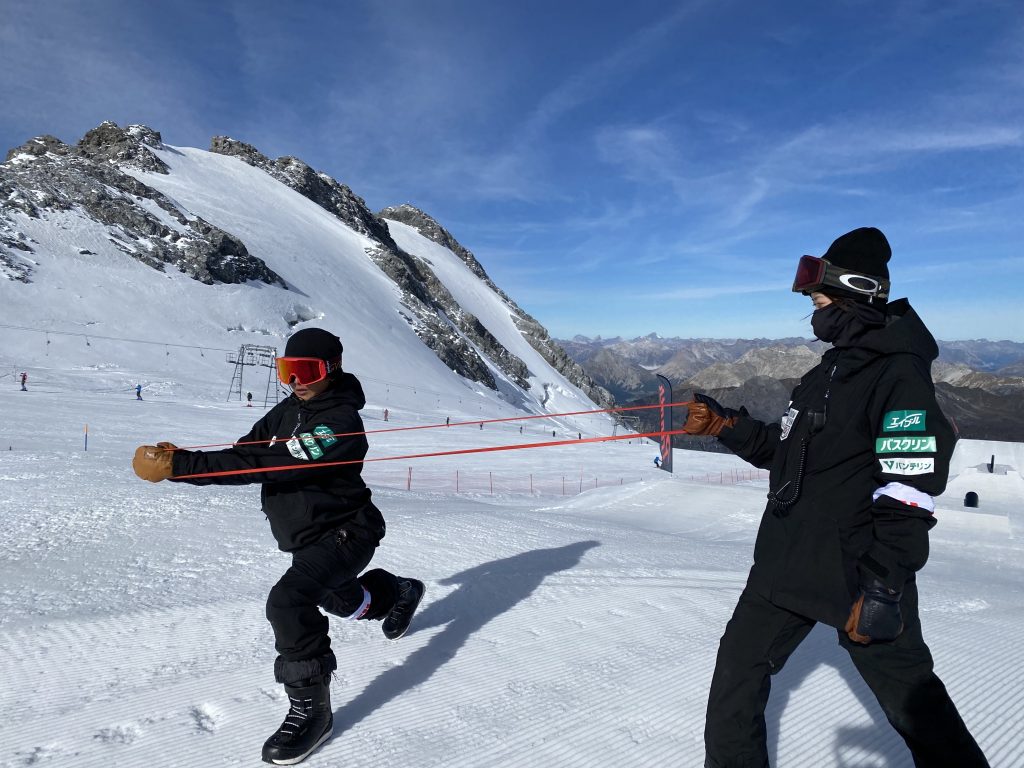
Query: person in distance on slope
[322,515]
[854,463]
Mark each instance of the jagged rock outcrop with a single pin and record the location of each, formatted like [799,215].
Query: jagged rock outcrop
[534,333]
[322,189]
[123,146]
[45,177]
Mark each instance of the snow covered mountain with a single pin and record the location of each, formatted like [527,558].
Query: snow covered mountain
[130,259]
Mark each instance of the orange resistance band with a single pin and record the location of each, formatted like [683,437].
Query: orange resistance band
[455,424]
[311,465]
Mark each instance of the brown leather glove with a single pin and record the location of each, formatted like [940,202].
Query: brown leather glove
[154,462]
[851,623]
[706,416]
[876,614]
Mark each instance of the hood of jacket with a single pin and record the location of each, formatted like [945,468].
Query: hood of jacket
[904,331]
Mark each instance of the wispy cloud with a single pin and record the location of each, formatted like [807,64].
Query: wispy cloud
[713,291]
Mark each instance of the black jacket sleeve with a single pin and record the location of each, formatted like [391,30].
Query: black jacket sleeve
[913,444]
[752,440]
[303,458]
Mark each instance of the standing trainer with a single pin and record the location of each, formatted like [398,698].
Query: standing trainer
[854,465]
[321,513]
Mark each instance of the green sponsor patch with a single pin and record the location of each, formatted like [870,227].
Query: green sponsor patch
[903,421]
[311,446]
[323,433]
[923,444]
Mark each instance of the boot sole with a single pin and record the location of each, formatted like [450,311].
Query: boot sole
[293,760]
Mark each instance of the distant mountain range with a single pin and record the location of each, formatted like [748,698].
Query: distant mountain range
[980,384]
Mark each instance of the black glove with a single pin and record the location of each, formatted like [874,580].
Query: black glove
[876,614]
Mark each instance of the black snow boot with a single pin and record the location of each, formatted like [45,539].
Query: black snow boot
[309,723]
[410,592]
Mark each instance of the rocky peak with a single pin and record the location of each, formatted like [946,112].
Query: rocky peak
[129,146]
[38,147]
[87,180]
[247,153]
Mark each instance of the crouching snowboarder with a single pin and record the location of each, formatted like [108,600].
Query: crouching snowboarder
[322,515]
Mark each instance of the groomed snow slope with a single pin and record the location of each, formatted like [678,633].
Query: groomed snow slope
[556,631]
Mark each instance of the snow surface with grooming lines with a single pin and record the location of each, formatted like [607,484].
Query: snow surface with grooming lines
[576,630]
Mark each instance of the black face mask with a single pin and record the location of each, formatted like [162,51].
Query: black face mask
[831,323]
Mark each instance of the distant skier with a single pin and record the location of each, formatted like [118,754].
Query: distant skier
[24,381]
[322,516]
[657,462]
[385,414]
[248,399]
[855,463]
[138,391]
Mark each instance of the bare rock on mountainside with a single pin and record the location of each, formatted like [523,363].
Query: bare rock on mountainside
[323,190]
[534,333]
[46,179]
[128,146]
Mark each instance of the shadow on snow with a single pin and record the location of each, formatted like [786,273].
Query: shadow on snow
[485,592]
[878,740]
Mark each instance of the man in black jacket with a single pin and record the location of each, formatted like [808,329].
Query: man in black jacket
[307,452]
[854,465]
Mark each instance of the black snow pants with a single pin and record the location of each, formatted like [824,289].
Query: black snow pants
[760,638]
[324,575]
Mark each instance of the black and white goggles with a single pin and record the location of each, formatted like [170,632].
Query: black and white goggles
[814,273]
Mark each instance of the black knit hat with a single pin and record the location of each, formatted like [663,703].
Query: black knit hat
[313,342]
[864,251]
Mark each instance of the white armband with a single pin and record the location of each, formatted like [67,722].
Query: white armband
[904,493]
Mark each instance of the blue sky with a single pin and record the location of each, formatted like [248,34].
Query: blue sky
[618,168]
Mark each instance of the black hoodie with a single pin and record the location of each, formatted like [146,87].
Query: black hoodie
[863,423]
[307,501]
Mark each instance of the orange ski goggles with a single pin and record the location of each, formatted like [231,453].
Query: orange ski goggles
[305,370]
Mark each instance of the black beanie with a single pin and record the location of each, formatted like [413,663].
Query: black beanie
[864,251]
[313,342]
